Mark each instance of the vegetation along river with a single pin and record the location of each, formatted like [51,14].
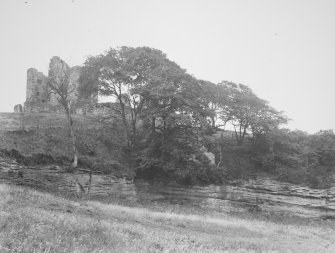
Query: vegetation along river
[262,194]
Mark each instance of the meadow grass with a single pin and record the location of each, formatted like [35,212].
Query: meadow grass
[31,221]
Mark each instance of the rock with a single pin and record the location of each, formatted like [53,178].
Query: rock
[327,217]
[210,156]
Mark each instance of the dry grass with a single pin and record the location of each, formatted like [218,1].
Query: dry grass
[31,221]
[48,134]
[15,121]
[33,133]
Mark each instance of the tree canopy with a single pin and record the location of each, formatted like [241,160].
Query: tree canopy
[169,118]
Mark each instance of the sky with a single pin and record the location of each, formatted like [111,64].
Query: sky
[284,50]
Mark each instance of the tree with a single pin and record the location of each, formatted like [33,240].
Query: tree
[247,113]
[147,86]
[174,147]
[217,98]
[296,156]
[59,83]
[323,144]
[123,74]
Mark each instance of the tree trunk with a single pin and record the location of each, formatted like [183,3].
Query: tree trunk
[133,125]
[236,136]
[221,144]
[125,123]
[213,121]
[240,135]
[153,125]
[134,132]
[73,137]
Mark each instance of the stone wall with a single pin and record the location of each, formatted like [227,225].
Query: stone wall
[18,108]
[39,97]
[36,86]
[38,106]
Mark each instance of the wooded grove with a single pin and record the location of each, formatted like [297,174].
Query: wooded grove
[174,124]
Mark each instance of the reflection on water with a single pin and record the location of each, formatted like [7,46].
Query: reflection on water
[260,194]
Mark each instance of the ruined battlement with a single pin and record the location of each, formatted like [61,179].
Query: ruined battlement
[36,86]
[39,97]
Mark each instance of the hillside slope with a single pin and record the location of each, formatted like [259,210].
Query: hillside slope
[100,144]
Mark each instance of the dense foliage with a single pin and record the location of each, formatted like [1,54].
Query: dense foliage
[297,156]
[172,121]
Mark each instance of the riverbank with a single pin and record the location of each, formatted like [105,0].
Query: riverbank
[39,222]
[43,138]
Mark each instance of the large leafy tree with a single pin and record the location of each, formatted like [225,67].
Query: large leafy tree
[247,113]
[217,98]
[123,74]
[178,113]
[147,85]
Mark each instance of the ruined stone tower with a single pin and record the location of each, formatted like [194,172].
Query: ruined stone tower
[37,94]
[39,97]
[36,86]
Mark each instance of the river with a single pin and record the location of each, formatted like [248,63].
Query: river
[260,194]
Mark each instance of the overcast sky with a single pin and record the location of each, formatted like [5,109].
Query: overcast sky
[282,49]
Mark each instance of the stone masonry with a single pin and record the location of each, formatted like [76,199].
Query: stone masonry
[39,97]
[18,108]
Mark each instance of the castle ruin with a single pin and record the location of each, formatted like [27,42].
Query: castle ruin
[40,98]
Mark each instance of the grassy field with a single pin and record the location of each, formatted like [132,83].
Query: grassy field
[32,221]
